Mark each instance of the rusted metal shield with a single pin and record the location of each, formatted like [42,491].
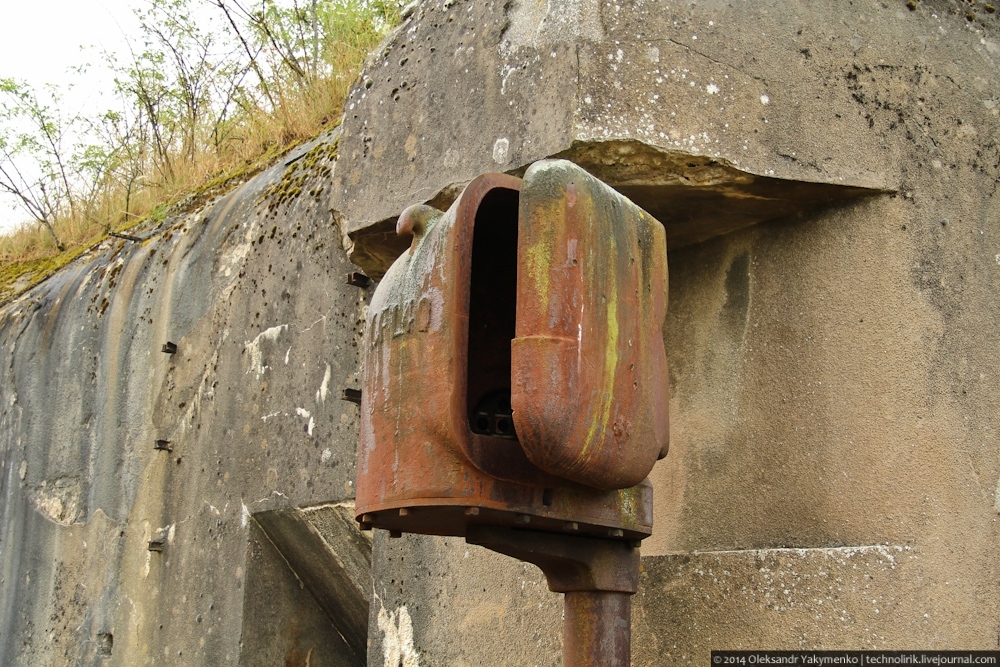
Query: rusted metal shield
[514,378]
[589,390]
[416,379]
[439,450]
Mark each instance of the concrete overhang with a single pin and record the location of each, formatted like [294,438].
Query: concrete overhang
[695,197]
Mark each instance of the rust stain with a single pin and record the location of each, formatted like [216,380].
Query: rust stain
[589,365]
[514,373]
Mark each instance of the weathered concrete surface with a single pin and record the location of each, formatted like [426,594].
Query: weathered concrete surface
[723,100]
[440,601]
[857,597]
[285,624]
[251,289]
[833,375]
[330,567]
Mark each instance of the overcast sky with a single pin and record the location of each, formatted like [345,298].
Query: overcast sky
[41,41]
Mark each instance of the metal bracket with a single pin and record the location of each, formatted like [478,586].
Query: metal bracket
[597,577]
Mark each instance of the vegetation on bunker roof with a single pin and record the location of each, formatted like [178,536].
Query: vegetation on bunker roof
[207,99]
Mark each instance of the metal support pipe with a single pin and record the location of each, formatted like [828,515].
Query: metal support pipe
[597,578]
[597,630]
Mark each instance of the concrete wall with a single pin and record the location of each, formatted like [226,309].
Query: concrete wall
[253,294]
[833,474]
[834,467]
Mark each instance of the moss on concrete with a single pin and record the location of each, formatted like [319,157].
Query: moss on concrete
[19,276]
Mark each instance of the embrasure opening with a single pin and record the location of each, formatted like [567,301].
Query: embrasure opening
[492,312]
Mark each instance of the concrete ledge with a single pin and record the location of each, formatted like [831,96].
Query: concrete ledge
[878,596]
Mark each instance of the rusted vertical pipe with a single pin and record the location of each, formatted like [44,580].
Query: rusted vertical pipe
[597,578]
[597,629]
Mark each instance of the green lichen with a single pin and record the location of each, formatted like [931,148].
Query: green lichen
[18,277]
[316,163]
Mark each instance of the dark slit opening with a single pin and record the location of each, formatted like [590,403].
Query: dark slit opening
[492,307]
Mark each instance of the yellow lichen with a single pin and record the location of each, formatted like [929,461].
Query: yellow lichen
[313,164]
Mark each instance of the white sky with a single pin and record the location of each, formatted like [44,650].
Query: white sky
[40,41]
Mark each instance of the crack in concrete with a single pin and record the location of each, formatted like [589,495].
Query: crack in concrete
[687,47]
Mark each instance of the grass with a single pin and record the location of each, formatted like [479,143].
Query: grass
[17,275]
[255,140]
